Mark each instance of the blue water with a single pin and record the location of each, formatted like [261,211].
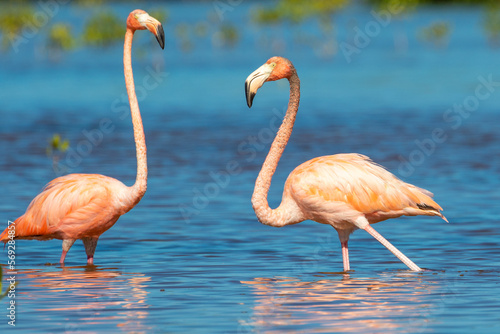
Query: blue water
[191,257]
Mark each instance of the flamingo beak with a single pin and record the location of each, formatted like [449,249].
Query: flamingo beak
[154,26]
[256,80]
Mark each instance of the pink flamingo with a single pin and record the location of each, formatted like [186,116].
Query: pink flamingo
[346,191]
[83,206]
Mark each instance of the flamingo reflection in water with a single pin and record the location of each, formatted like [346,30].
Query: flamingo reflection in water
[340,304]
[89,298]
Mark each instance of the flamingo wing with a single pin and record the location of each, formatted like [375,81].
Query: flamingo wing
[71,206]
[358,183]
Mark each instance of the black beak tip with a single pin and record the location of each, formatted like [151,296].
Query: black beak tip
[160,36]
[250,100]
[249,95]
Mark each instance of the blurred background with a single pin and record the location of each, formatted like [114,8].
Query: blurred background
[413,84]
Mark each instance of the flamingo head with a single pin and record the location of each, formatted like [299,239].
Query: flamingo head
[275,68]
[140,20]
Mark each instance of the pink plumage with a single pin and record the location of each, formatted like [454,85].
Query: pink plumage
[83,206]
[73,207]
[346,191]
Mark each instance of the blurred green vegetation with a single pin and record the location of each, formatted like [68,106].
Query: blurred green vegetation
[295,11]
[436,33]
[219,33]
[227,35]
[492,23]
[12,19]
[406,6]
[433,2]
[57,146]
[60,37]
[105,28]
[102,29]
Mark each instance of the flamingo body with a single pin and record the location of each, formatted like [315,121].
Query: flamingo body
[74,206]
[346,191]
[337,189]
[83,206]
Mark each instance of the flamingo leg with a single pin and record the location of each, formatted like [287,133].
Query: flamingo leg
[393,249]
[344,238]
[345,256]
[67,243]
[90,244]
[63,256]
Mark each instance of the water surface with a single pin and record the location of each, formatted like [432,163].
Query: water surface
[192,257]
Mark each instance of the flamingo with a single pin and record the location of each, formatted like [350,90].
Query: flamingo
[83,206]
[346,191]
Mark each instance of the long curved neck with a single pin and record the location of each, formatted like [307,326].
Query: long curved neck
[264,213]
[139,188]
